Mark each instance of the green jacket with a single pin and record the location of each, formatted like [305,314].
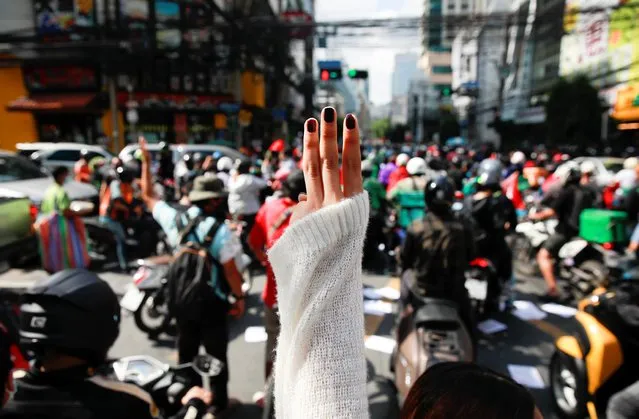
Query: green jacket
[55,199]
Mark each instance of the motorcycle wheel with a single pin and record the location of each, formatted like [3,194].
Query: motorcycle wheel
[525,263]
[595,271]
[567,387]
[150,319]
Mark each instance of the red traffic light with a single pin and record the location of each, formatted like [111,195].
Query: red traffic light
[325,75]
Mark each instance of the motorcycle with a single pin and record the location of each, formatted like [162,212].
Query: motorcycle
[479,276]
[582,266]
[528,238]
[140,241]
[9,318]
[427,335]
[147,295]
[165,384]
[599,360]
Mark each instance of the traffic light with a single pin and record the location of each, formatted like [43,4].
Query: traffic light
[446,91]
[357,74]
[332,74]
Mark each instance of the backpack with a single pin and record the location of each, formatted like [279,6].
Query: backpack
[190,294]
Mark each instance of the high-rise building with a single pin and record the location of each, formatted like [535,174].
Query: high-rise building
[547,33]
[405,69]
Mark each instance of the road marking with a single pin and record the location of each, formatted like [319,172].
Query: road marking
[372,322]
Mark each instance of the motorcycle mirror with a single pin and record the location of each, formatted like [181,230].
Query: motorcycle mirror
[207,366]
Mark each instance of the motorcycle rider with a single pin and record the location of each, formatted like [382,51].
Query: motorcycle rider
[81,169]
[437,250]
[68,322]
[575,196]
[208,199]
[494,216]
[166,167]
[224,167]
[408,193]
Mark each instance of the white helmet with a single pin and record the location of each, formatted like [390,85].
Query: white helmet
[402,159]
[224,164]
[518,157]
[417,166]
[631,163]
[587,167]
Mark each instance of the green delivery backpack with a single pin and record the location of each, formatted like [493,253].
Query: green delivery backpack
[603,226]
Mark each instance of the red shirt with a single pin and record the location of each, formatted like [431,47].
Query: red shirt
[396,176]
[270,223]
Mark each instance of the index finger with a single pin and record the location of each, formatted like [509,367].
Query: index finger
[352,158]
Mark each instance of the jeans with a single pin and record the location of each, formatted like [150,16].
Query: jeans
[120,238]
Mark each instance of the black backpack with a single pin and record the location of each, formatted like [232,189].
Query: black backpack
[190,293]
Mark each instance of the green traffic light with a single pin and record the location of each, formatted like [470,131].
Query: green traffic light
[333,74]
[446,92]
[352,73]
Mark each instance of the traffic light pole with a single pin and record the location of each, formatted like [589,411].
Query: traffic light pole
[309,82]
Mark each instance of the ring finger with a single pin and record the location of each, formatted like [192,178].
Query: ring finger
[311,164]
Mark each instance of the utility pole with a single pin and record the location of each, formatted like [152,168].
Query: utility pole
[309,83]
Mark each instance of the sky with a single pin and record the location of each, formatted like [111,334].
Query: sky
[378,61]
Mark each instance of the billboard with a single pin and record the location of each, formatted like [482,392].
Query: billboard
[60,16]
[604,44]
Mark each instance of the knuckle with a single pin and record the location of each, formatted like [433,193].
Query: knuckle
[330,162]
[351,165]
[312,170]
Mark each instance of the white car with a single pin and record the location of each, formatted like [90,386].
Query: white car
[605,168]
[52,155]
[128,152]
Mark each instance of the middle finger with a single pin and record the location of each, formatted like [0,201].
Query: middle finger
[329,156]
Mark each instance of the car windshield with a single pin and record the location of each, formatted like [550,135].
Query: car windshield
[613,166]
[15,168]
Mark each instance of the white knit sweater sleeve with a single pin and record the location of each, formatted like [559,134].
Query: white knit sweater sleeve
[320,370]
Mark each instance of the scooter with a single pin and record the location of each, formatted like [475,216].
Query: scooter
[600,359]
[528,238]
[147,296]
[165,384]
[432,333]
[582,266]
[479,276]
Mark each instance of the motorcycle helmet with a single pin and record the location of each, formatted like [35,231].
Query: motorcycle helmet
[402,160]
[198,158]
[573,176]
[73,312]
[417,166]
[489,173]
[588,167]
[84,153]
[165,148]
[187,159]
[294,185]
[125,174]
[630,163]
[224,164]
[518,158]
[440,194]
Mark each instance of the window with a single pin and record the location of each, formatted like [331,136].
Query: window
[64,155]
[17,168]
[442,69]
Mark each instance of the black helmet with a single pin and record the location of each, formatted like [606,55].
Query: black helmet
[294,185]
[73,312]
[573,176]
[489,173]
[440,194]
[164,146]
[125,174]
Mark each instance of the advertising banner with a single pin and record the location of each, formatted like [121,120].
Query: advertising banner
[60,16]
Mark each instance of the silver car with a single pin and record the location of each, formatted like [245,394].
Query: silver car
[21,176]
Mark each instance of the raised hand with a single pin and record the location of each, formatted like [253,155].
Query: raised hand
[320,163]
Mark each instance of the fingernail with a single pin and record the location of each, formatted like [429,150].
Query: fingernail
[311,125]
[329,114]
[350,121]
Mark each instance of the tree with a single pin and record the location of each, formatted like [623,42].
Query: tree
[573,113]
[381,128]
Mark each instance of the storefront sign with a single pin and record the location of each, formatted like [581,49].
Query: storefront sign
[171,101]
[59,16]
[40,79]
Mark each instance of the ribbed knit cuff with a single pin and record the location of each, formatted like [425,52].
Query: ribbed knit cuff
[323,228]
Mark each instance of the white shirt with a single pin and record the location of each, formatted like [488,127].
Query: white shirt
[244,194]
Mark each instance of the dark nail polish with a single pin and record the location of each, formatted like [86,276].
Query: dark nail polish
[350,121]
[311,125]
[329,114]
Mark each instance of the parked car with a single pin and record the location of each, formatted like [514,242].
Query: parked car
[605,168]
[17,237]
[23,177]
[128,152]
[52,155]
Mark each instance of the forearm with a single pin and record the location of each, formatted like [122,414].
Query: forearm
[147,185]
[320,369]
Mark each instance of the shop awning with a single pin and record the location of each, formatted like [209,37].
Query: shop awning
[53,103]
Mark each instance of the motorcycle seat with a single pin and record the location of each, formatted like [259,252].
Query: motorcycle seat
[437,314]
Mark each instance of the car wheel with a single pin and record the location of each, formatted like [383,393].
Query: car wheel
[568,387]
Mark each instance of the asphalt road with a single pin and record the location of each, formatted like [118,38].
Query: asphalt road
[528,343]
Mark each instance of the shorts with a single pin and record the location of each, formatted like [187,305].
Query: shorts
[554,243]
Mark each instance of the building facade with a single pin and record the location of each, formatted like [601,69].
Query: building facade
[403,72]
